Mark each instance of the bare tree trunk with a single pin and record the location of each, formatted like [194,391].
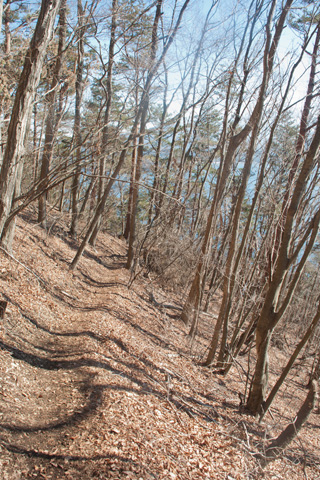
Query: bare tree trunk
[234,143]
[105,132]
[255,200]
[155,192]
[101,204]
[77,123]
[126,232]
[116,171]
[143,123]
[230,273]
[135,187]
[9,227]
[293,357]
[230,276]
[298,150]
[184,103]
[315,374]
[7,32]
[1,13]
[50,122]
[271,312]
[197,284]
[22,107]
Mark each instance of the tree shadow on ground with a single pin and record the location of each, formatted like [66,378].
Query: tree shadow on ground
[31,319]
[89,280]
[56,456]
[181,401]
[94,401]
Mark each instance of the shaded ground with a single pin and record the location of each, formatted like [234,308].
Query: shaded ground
[98,382]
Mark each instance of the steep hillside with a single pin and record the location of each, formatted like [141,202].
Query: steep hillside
[100,381]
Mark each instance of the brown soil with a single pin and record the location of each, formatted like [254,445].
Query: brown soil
[98,382]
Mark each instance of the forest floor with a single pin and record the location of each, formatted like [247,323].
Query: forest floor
[99,382]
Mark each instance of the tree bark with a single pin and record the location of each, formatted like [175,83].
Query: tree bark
[105,132]
[22,107]
[298,149]
[155,197]
[271,313]
[7,38]
[143,123]
[77,123]
[50,122]
[293,358]
[126,232]
[135,187]
[230,273]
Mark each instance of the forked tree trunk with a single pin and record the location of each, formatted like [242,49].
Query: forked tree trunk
[227,160]
[298,149]
[236,344]
[230,274]
[313,325]
[271,312]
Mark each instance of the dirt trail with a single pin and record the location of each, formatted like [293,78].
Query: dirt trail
[98,383]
